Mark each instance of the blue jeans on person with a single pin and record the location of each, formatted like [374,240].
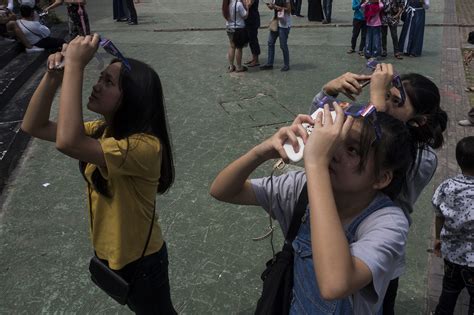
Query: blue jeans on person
[282,33]
[296,7]
[150,286]
[373,41]
[327,9]
[456,278]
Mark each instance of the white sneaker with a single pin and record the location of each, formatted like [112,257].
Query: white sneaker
[465,123]
[34,49]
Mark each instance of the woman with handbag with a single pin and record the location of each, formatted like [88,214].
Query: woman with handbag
[235,12]
[282,14]
[125,158]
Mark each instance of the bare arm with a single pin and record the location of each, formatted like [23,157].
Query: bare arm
[36,120]
[338,273]
[56,4]
[232,184]
[439,222]
[70,136]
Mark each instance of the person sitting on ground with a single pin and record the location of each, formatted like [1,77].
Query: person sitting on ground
[37,33]
[8,27]
[454,208]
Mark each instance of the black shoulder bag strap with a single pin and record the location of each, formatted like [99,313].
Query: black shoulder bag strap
[298,213]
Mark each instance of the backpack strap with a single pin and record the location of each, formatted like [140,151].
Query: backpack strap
[380,203]
[298,213]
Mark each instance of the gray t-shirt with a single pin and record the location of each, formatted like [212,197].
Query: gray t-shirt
[380,238]
[454,201]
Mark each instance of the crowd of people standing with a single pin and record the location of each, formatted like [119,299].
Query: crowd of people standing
[372,21]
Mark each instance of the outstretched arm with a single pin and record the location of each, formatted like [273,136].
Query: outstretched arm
[56,4]
[70,137]
[36,120]
[348,84]
[232,184]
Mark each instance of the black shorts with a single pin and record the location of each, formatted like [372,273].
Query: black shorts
[239,37]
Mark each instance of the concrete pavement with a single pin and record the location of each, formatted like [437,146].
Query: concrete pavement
[214,117]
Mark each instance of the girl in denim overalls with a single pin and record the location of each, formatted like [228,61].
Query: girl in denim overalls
[352,237]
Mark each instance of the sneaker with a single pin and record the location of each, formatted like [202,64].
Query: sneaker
[326,22]
[285,68]
[361,53]
[132,23]
[34,49]
[465,123]
[266,67]
[351,51]
[384,54]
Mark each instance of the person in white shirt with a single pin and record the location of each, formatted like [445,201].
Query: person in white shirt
[37,33]
[235,12]
[8,27]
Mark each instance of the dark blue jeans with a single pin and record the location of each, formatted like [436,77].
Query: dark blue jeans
[358,27]
[373,41]
[327,9]
[456,278]
[272,37]
[150,291]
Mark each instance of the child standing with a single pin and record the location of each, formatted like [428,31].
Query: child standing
[352,237]
[373,43]
[358,26]
[392,10]
[454,206]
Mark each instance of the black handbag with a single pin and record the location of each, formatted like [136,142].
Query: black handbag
[107,279]
[278,275]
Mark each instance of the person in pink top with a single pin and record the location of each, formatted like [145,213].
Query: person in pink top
[373,41]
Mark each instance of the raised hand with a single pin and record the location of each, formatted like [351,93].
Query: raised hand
[81,50]
[321,145]
[348,84]
[273,147]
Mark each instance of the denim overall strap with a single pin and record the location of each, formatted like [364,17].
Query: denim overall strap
[378,204]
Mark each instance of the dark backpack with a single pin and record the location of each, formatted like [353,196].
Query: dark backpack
[278,275]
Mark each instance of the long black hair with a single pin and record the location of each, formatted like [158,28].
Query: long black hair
[142,110]
[396,150]
[430,121]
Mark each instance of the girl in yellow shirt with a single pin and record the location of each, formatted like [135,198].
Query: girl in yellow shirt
[126,159]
